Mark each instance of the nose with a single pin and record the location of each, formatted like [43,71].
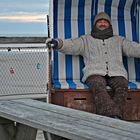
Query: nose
[103,23]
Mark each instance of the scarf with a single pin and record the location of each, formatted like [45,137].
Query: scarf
[104,34]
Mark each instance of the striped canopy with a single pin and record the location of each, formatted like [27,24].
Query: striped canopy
[73,18]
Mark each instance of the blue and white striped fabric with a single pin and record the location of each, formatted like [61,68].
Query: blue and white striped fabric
[73,18]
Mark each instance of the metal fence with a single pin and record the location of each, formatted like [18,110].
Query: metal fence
[23,70]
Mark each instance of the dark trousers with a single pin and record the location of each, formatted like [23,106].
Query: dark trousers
[108,104]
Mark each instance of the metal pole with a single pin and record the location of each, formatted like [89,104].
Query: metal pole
[50,64]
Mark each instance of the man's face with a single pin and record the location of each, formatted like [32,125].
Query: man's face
[102,24]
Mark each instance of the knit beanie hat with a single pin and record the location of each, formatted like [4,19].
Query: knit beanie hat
[102,15]
[102,34]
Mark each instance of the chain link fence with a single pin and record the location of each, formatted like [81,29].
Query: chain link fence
[23,70]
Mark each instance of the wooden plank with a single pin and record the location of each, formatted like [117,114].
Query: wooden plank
[97,119]
[33,117]
[40,135]
[22,40]
[64,124]
[123,125]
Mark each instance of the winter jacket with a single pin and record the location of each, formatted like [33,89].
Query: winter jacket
[102,57]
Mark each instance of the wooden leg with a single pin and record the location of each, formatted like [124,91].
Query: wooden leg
[55,137]
[49,136]
[25,132]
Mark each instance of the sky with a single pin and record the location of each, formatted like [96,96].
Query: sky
[23,17]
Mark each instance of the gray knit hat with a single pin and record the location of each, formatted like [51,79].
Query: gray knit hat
[102,15]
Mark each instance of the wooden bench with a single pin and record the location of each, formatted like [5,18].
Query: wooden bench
[66,122]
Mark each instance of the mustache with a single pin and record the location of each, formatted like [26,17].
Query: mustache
[102,26]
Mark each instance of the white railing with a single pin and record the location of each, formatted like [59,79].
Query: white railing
[23,70]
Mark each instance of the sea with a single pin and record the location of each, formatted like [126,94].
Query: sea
[23,35]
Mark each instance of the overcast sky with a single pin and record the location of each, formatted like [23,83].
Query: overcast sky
[23,17]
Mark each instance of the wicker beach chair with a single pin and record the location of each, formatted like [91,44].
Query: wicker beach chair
[73,18]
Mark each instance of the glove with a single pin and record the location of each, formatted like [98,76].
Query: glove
[52,43]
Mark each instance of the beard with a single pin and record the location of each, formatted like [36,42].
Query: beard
[102,34]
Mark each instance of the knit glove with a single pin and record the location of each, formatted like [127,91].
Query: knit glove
[52,43]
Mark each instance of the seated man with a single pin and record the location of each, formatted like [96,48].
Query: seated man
[102,52]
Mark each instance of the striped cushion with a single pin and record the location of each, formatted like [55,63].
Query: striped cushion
[73,18]
[80,85]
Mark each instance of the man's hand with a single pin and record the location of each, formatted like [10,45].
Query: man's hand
[52,43]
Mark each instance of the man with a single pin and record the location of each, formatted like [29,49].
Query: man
[102,52]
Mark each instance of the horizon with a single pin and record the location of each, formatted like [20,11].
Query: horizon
[23,35]
[18,18]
